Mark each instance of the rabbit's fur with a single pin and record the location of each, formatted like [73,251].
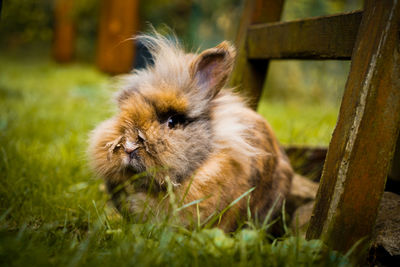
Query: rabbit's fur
[175,125]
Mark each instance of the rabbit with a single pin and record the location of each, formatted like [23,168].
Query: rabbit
[179,130]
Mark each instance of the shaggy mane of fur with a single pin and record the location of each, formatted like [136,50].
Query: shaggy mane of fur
[170,66]
[175,123]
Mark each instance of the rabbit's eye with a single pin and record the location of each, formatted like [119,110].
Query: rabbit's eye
[141,136]
[174,120]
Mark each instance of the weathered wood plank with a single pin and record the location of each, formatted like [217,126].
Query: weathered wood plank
[118,22]
[363,141]
[249,76]
[329,37]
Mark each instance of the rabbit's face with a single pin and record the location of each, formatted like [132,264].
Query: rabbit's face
[164,125]
[157,134]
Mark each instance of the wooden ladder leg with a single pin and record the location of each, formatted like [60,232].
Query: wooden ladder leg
[64,35]
[119,21]
[363,142]
[250,75]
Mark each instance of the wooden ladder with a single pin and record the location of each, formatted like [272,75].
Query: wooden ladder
[363,142]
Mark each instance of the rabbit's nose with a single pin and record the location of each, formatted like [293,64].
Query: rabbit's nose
[130,148]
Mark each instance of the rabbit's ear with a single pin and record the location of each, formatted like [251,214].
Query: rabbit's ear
[212,67]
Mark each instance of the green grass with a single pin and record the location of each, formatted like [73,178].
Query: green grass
[54,212]
[309,123]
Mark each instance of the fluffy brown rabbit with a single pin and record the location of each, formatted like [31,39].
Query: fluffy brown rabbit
[176,125]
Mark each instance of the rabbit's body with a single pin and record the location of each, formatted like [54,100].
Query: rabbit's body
[175,123]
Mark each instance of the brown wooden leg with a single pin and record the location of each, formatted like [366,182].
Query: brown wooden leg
[118,23]
[64,31]
[363,142]
[250,75]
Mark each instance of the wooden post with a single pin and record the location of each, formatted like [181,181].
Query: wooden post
[64,31]
[364,139]
[327,37]
[118,23]
[250,75]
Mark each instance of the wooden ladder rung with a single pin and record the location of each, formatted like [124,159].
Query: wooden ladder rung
[328,37]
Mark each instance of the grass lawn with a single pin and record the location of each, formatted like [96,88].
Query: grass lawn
[301,124]
[52,208]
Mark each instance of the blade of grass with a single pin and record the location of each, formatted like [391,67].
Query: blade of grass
[219,215]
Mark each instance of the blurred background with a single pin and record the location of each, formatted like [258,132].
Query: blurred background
[58,59]
[96,33]
[31,24]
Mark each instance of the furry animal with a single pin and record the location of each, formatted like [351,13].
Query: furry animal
[177,125]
